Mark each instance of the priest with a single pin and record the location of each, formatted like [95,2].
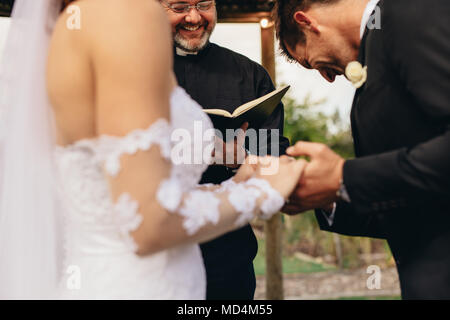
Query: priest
[218,78]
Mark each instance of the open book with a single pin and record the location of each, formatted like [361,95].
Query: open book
[254,112]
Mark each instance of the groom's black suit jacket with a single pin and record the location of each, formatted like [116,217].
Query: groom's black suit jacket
[399,184]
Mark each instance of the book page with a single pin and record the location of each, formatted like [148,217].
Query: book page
[247,106]
[219,112]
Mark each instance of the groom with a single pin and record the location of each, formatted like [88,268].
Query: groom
[398,187]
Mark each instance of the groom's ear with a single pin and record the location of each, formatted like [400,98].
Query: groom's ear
[306,22]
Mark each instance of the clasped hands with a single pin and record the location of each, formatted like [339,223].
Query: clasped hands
[306,185]
[320,181]
[316,183]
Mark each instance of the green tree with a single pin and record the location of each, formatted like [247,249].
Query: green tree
[304,122]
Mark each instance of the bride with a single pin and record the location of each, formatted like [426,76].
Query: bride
[92,203]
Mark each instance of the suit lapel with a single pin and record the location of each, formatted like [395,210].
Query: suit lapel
[353,115]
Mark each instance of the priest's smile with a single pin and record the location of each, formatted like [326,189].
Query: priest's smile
[191,30]
[192,22]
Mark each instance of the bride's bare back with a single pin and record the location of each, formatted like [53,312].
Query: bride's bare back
[110,77]
[93,70]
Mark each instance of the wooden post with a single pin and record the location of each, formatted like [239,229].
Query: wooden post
[338,249]
[273,227]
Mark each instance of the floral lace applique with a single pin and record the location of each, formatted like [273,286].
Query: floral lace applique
[200,208]
[127,219]
[273,201]
[170,193]
[244,200]
[138,140]
[243,197]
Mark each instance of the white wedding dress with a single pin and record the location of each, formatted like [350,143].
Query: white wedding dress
[42,184]
[98,247]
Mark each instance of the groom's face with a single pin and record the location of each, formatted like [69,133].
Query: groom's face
[323,48]
[326,54]
[191,30]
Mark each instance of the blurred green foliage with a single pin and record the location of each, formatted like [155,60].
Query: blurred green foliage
[306,122]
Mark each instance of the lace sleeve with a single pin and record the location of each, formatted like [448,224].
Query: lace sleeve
[202,206]
[244,198]
[234,204]
[180,193]
[138,140]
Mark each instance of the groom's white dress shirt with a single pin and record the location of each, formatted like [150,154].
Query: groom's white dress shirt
[366,16]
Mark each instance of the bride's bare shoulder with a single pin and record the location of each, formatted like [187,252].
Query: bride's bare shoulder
[109,48]
[103,20]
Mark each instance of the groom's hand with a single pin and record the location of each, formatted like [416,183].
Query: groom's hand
[320,181]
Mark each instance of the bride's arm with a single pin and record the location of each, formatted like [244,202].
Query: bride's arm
[132,61]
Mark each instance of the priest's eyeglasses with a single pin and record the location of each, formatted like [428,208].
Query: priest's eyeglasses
[183,7]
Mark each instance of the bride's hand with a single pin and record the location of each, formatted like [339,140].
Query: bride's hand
[247,169]
[282,173]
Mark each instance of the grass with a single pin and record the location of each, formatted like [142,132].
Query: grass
[290,264]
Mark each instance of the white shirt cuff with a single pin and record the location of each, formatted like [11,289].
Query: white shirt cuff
[330,216]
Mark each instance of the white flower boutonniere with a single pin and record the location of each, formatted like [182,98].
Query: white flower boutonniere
[356,73]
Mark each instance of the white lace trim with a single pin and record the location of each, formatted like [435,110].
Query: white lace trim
[170,194]
[208,185]
[197,213]
[244,199]
[127,219]
[137,140]
[227,185]
[273,202]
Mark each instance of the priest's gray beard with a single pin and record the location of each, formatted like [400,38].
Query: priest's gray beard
[185,45]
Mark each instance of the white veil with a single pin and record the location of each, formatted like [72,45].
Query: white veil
[30,239]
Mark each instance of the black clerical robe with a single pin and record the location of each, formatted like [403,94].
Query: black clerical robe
[217,77]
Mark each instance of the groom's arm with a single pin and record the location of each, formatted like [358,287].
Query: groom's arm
[344,221]
[421,56]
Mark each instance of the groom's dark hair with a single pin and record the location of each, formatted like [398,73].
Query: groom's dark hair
[288,31]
